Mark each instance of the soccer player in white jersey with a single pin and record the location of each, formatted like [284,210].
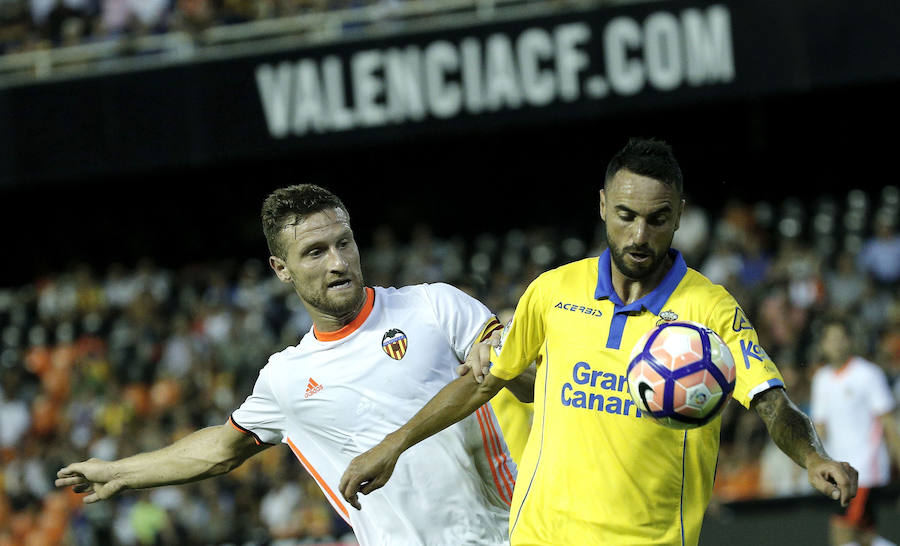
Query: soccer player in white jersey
[372,359]
[852,407]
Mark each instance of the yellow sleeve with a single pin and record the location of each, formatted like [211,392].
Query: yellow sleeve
[522,338]
[755,370]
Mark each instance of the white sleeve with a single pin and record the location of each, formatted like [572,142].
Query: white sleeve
[260,415]
[881,399]
[462,318]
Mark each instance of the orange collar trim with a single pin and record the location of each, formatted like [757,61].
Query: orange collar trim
[843,367]
[354,324]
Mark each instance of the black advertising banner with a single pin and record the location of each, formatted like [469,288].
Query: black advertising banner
[575,64]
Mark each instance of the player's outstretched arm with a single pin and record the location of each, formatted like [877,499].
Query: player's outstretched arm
[522,386]
[208,452]
[793,432]
[478,364]
[460,398]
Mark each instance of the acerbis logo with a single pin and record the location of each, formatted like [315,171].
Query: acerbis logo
[575,308]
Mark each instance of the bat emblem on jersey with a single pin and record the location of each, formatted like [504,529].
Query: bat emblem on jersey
[667,316]
[394,343]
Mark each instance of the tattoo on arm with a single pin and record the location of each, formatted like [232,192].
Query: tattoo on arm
[790,428]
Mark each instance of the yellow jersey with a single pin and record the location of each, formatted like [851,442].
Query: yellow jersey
[515,419]
[594,470]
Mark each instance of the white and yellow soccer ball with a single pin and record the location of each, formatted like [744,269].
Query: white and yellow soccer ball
[681,374]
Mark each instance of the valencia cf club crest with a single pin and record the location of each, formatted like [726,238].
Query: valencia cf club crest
[394,343]
[667,316]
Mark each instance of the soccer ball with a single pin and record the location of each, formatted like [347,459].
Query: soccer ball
[682,374]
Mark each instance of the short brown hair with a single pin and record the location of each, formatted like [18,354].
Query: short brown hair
[289,205]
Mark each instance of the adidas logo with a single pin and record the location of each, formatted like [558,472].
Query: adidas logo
[312,388]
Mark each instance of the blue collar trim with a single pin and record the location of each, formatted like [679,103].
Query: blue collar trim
[653,301]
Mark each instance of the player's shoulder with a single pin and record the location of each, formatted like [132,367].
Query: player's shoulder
[579,270]
[867,367]
[414,292]
[429,301]
[698,281]
[286,356]
[822,373]
[698,286]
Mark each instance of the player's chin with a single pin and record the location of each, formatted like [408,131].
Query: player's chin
[345,294]
[637,271]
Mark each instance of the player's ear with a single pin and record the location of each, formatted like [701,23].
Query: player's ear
[602,204]
[280,268]
[681,204]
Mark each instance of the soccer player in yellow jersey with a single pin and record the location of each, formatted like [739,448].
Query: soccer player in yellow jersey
[594,470]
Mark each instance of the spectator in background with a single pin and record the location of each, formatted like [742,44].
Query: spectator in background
[692,237]
[724,263]
[193,16]
[880,255]
[781,323]
[134,16]
[14,27]
[13,411]
[61,21]
[844,283]
[852,407]
[382,259]
[756,261]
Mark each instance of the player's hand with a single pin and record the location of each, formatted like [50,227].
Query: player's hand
[369,471]
[835,479]
[92,476]
[479,359]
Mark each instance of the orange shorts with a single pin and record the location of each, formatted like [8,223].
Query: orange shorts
[859,514]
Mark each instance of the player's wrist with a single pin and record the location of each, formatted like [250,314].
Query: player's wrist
[117,472]
[814,458]
[398,441]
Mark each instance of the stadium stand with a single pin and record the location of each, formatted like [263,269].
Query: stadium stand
[44,38]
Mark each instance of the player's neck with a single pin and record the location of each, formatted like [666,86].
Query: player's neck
[630,290]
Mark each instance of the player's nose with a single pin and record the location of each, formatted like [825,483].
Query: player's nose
[337,261]
[639,234]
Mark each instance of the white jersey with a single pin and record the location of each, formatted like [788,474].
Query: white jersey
[337,394]
[848,401]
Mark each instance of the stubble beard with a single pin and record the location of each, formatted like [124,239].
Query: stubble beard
[336,307]
[639,272]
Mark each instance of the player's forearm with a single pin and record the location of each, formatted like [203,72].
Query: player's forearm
[197,456]
[522,386]
[451,404]
[791,429]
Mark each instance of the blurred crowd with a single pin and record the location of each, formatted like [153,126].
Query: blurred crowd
[108,363]
[27,25]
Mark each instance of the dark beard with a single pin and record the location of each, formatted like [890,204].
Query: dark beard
[640,272]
